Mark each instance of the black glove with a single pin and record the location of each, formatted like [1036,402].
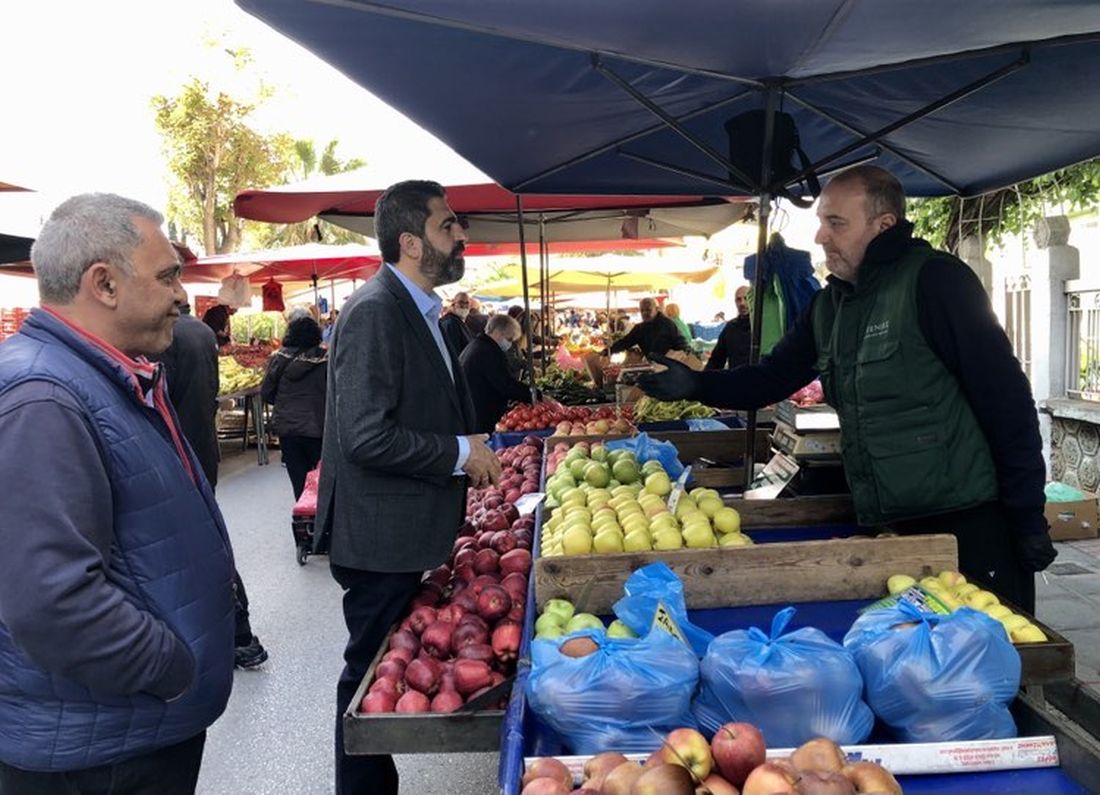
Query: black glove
[678,382]
[1035,551]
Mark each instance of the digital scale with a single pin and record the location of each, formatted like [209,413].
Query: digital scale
[810,435]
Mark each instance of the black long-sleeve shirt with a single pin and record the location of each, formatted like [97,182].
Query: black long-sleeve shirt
[733,345]
[657,336]
[957,320]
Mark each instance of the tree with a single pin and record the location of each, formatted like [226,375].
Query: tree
[213,154]
[946,221]
[305,164]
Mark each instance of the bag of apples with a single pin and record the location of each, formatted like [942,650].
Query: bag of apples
[649,587]
[611,694]
[793,686]
[936,678]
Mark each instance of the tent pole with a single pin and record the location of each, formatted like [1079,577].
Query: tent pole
[758,276]
[544,288]
[526,298]
[332,289]
[316,292]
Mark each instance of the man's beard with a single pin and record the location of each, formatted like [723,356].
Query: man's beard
[442,268]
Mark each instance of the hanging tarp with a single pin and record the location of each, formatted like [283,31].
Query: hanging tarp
[959,97]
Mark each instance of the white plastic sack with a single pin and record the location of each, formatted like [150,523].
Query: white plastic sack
[234,292]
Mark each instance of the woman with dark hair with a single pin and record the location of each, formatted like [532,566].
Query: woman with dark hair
[295,385]
[217,317]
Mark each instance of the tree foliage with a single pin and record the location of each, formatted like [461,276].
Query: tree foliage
[944,222]
[304,163]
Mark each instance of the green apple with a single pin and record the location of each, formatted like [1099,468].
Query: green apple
[598,453]
[577,467]
[625,471]
[551,632]
[617,629]
[583,621]
[637,540]
[576,541]
[727,520]
[549,620]
[562,608]
[651,466]
[685,505]
[596,474]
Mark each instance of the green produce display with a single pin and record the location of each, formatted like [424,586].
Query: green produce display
[651,410]
[567,387]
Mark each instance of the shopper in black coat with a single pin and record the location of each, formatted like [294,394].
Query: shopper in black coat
[486,367]
[295,385]
[735,340]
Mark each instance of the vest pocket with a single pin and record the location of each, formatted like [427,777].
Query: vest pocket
[908,471]
[879,374]
[825,374]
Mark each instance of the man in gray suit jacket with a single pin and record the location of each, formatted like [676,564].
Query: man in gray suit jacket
[398,452]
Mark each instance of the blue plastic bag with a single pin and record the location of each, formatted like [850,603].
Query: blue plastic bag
[646,449]
[942,677]
[644,589]
[706,424]
[617,697]
[793,687]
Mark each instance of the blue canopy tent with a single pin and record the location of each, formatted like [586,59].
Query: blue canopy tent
[633,96]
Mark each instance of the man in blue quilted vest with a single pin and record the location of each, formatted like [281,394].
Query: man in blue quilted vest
[116,602]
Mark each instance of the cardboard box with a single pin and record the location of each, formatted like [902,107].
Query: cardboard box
[1070,521]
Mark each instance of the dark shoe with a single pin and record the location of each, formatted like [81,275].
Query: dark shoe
[251,655]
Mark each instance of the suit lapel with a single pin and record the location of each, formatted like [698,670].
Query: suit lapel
[419,329]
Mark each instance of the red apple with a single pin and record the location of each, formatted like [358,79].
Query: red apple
[493,603]
[467,633]
[820,753]
[771,778]
[487,561]
[471,676]
[405,639]
[503,542]
[391,687]
[377,702]
[714,784]
[390,669]
[423,677]
[664,779]
[516,560]
[546,786]
[597,768]
[404,655]
[621,778]
[872,777]
[480,651]
[823,782]
[413,701]
[420,618]
[482,580]
[446,701]
[506,640]
[548,767]
[737,748]
[437,639]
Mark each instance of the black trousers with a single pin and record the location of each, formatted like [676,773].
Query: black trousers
[987,554]
[242,630]
[373,601]
[167,771]
[300,454]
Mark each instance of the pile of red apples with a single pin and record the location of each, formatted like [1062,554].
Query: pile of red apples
[461,635]
[732,763]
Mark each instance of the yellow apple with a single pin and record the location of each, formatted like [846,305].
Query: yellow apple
[899,582]
[710,506]
[998,611]
[952,579]
[685,505]
[1028,633]
[638,541]
[699,537]
[932,584]
[727,520]
[966,589]
[576,541]
[980,600]
[667,539]
[659,484]
[734,540]
[607,541]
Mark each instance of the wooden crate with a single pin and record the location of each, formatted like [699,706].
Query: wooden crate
[794,511]
[802,571]
[391,733]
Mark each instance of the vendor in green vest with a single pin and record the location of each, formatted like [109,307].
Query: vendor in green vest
[939,432]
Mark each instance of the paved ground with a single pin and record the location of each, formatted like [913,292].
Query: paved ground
[276,735]
[275,738]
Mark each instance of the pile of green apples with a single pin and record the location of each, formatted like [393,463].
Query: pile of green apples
[630,513]
[559,618]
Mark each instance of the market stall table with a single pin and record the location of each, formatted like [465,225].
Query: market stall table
[253,406]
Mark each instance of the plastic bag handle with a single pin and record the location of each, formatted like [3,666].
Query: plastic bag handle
[779,623]
[911,612]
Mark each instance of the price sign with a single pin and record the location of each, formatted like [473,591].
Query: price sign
[664,621]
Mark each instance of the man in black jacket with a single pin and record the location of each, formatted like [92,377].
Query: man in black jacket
[656,335]
[453,324]
[735,340]
[191,367]
[939,431]
[485,364]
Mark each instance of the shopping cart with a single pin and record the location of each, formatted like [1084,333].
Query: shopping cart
[304,516]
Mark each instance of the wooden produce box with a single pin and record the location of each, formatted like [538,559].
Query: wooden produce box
[783,572]
[393,733]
